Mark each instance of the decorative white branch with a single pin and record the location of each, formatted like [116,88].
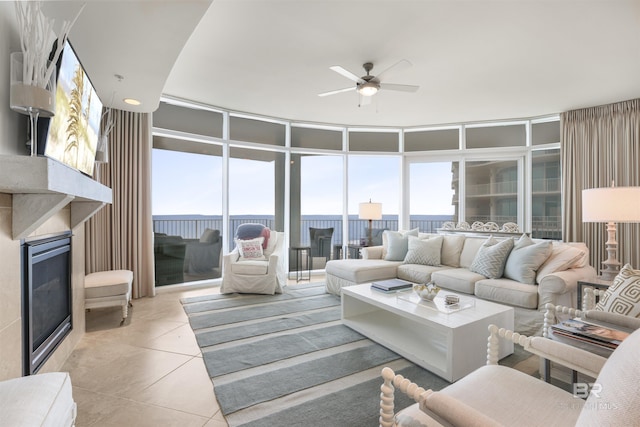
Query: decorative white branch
[36,39]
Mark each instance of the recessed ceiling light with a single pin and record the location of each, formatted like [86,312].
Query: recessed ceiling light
[132,101]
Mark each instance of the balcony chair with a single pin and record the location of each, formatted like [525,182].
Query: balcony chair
[202,256]
[249,268]
[168,254]
[320,243]
[496,395]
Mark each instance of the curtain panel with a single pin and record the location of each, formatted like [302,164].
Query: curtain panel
[119,236]
[600,145]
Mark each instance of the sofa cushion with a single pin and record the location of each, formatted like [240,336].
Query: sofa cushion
[507,291]
[250,267]
[456,279]
[525,259]
[397,244]
[470,248]
[563,256]
[424,251]
[623,297]
[417,273]
[362,270]
[107,283]
[385,241]
[491,257]
[451,249]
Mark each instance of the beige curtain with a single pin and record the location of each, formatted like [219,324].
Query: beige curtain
[119,236]
[600,145]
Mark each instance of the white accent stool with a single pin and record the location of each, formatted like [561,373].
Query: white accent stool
[108,289]
[42,400]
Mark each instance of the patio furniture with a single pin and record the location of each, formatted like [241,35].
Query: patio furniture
[202,256]
[320,242]
[168,254]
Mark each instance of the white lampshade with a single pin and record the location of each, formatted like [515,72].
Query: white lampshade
[611,204]
[369,210]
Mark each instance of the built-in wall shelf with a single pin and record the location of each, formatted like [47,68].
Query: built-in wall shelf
[41,187]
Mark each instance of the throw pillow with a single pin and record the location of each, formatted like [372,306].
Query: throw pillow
[273,239]
[266,233]
[210,236]
[424,251]
[623,297]
[525,259]
[563,257]
[399,244]
[491,257]
[250,249]
[249,231]
[451,249]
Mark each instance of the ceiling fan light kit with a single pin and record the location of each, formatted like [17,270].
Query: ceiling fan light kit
[368,89]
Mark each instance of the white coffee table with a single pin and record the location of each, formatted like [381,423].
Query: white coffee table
[450,345]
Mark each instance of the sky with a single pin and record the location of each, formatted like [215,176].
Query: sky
[186,183]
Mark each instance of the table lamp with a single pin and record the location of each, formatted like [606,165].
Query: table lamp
[611,205]
[370,211]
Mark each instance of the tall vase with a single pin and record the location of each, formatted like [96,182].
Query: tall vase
[30,94]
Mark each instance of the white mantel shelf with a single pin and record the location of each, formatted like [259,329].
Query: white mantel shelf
[42,186]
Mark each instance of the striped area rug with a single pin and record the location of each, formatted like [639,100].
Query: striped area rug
[287,360]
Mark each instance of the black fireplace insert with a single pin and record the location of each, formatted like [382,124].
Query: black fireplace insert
[46,297]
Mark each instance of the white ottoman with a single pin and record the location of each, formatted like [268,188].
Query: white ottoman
[108,289]
[43,400]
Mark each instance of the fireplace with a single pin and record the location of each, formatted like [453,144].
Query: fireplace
[46,297]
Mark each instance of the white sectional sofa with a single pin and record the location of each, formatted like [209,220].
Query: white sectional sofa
[546,272]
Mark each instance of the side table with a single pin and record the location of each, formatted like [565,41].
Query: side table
[354,250]
[596,283]
[299,267]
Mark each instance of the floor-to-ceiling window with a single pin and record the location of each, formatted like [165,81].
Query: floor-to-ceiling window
[187,195]
[375,179]
[255,189]
[295,177]
[187,214]
[432,198]
[316,193]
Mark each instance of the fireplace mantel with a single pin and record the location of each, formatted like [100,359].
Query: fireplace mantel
[42,186]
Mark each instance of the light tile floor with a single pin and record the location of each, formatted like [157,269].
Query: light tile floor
[147,372]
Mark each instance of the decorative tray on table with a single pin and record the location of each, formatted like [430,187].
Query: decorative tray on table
[438,302]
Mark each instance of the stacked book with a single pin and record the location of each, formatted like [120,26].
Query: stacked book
[391,285]
[589,332]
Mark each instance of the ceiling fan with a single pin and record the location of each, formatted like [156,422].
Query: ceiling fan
[369,85]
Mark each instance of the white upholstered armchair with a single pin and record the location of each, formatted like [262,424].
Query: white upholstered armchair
[256,276]
[496,395]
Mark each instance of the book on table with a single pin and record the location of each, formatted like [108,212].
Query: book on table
[391,285]
[590,332]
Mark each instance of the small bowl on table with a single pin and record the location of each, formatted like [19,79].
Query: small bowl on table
[426,292]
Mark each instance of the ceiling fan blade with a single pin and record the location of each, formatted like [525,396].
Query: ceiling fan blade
[333,92]
[402,88]
[348,74]
[400,65]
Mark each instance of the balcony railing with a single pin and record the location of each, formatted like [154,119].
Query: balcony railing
[193,227]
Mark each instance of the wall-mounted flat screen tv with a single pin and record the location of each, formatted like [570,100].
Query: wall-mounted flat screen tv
[73,131]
